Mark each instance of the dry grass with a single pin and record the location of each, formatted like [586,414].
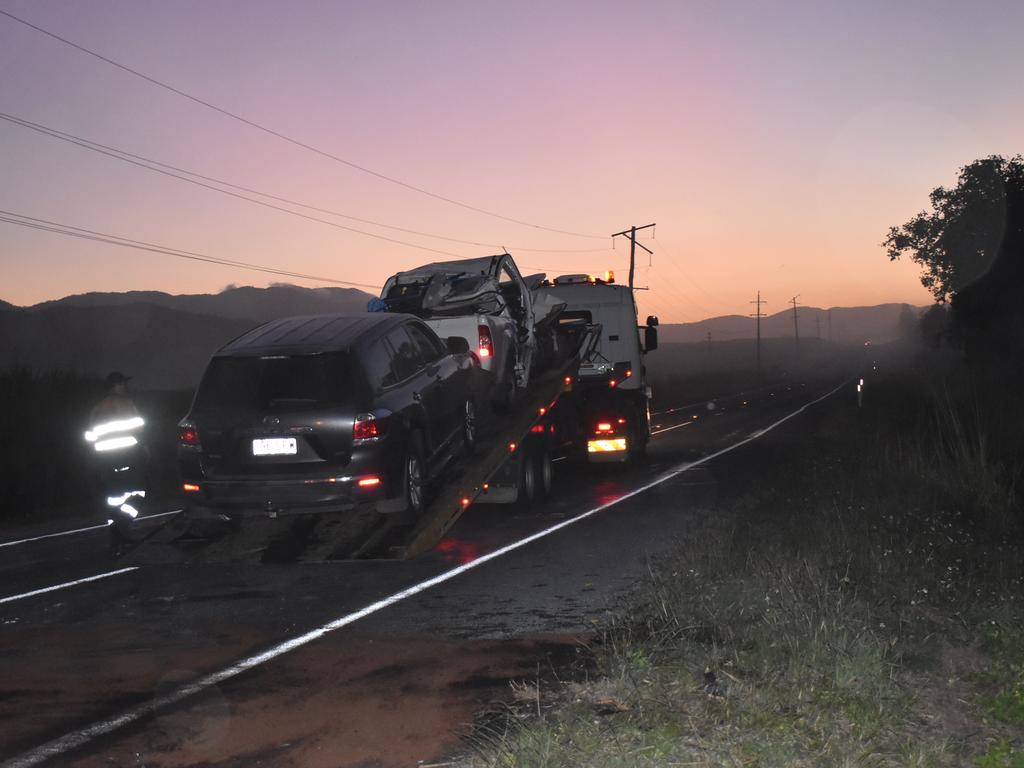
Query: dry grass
[860,608]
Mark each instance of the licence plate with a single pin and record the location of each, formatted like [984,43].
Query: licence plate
[274,446]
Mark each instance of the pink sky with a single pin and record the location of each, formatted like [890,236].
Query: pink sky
[773,144]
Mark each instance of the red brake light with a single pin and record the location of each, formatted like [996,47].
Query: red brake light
[189,487]
[365,427]
[187,435]
[485,347]
[604,426]
[369,482]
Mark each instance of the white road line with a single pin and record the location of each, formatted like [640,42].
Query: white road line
[78,738]
[52,535]
[80,530]
[66,584]
[669,429]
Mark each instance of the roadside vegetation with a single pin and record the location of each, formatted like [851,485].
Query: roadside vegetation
[46,467]
[852,597]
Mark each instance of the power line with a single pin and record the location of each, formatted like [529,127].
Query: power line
[102,237]
[149,163]
[290,140]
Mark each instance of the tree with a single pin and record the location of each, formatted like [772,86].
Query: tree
[957,241]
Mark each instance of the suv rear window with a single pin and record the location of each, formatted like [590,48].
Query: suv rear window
[286,382]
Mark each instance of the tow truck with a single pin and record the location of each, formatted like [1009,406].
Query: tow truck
[590,404]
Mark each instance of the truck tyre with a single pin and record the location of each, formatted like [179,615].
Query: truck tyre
[528,481]
[545,473]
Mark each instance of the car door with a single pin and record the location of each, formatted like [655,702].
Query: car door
[443,368]
[411,373]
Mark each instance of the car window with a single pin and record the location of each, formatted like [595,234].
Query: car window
[280,382]
[427,342]
[379,369]
[407,358]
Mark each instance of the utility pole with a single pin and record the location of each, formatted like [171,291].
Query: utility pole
[817,321]
[631,234]
[796,323]
[830,326]
[759,314]
[709,345]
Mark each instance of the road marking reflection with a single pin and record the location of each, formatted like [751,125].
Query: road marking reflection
[66,584]
[77,738]
[81,530]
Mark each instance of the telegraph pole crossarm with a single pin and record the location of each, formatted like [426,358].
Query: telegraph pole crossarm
[631,234]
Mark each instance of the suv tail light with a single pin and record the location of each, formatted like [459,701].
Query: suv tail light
[485,347]
[366,427]
[188,435]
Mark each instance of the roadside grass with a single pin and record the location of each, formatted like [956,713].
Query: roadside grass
[851,599]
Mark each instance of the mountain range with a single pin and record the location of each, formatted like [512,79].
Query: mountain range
[165,340]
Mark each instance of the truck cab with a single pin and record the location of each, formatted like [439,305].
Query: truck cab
[605,410]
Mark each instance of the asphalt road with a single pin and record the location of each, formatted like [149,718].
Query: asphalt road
[341,663]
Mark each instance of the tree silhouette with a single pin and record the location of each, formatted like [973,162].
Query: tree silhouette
[958,240]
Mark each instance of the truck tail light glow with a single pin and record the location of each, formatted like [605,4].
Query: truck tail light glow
[485,346]
[603,426]
[366,427]
[190,487]
[368,482]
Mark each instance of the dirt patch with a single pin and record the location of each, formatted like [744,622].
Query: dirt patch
[342,702]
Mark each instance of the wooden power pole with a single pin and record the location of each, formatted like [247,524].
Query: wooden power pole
[759,314]
[796,323]
[631,234]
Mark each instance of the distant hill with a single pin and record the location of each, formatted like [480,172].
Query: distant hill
[842,324]
[161,348]
[258,304]
[163,341]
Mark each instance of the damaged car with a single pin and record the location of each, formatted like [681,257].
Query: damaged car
[487,302]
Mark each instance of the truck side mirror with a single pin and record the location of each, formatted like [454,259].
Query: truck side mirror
[457,345]
[651,336]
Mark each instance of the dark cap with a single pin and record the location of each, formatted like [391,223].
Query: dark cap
[116,377]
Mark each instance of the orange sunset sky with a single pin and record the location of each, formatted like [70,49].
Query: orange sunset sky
[773,143]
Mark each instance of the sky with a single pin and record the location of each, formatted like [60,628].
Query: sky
[773,143]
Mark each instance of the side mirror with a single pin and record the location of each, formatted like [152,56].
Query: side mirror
[651,336]
[457,345]
[652,321]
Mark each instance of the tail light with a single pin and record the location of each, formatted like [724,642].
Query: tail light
[485,347]
[188,435]
[603,427]
[366,427]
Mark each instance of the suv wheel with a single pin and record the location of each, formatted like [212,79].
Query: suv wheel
[469,427]
[414,476]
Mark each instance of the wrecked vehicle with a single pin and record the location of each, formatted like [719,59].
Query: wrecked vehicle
[485,301]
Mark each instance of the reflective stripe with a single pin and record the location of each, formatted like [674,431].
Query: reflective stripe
[121,425]
[113,443]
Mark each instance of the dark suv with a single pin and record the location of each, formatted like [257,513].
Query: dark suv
[319,413]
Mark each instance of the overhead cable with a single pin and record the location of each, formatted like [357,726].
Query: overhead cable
[290,140]
[69,230]
[158,166]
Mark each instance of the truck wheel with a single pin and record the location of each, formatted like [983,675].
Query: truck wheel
[545,473]
[528,482]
